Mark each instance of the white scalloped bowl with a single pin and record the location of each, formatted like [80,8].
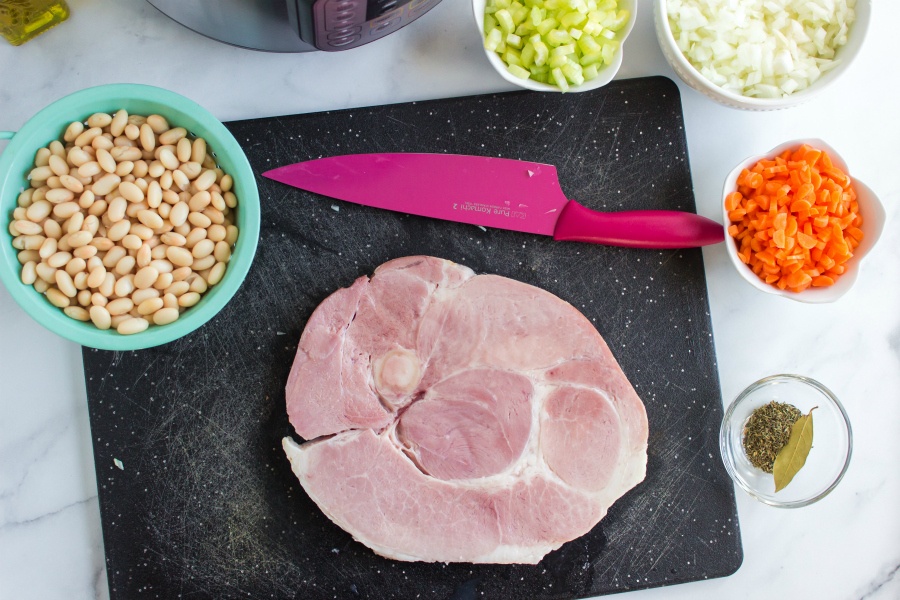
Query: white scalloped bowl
[606,75]
[691,76]
[870,207]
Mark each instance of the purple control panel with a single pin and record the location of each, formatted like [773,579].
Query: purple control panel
[346,24]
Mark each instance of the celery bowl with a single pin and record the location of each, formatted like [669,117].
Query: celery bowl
[17,160]
[574,37]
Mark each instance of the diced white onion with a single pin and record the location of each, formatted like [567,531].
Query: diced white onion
[761,48]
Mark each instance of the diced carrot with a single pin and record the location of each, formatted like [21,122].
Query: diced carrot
[766,257]
[847,221]
[798,278]
[737,214]
[780,221]
[791,227]
[802,205]
[821,221]
[811,156]
[795,219]
[778,238]
[805,240]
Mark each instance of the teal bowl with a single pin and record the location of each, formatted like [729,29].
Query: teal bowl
[17,159]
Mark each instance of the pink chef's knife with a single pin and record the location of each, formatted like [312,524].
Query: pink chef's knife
[491,192]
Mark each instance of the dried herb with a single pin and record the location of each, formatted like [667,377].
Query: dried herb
[792,457]
[767,431]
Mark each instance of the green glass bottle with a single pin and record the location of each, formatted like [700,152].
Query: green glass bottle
[21,20]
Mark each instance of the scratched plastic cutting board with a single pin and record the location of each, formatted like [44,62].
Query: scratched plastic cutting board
[196,497]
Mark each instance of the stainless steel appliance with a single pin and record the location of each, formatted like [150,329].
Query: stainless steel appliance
[295,25]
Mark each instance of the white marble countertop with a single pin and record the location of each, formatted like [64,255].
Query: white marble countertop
[846,546]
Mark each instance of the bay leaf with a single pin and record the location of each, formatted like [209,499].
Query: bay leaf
[791,458]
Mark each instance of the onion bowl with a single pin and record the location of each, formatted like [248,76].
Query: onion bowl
[870,207]
[845,56]
[604,77]
[17,160]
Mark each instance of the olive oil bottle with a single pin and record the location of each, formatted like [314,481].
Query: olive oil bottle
[21,20]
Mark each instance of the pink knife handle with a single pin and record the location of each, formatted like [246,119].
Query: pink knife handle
[637,228]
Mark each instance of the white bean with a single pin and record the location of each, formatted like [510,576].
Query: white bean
[146,277]
[117,208]
[203,248]
[29,275]
[166,315]
[140,296]
[100,317]
[108,287]
[189,299]
[124,286]
[27,227]
[45,272]
[144,255]
[97,276]
[120,306]
[106,184]
[205,180]
[59,259]
[58,165]
[65,209]
[106,161]
[179,256]
[77,313]
[125,265]
[131,192]
[132,242]
[65,284]
[132,326]
[216,273]
[119,230]
[80,238]
[150,218]
[163,281]
[178,288]
[150,306]
[38,211]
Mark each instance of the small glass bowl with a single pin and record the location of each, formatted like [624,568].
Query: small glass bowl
[832,441]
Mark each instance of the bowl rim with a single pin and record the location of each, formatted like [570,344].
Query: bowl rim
[863,18]
[223,144]
[765,381]
[876,216]
[606,75]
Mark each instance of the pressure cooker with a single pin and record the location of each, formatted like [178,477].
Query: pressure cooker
[295,25]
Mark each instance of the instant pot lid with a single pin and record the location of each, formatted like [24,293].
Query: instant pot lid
[254,24]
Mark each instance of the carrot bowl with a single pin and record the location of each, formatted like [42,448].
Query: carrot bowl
[784,235]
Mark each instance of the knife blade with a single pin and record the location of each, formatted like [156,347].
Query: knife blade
[491,192]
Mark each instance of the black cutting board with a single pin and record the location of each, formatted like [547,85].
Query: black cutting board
[198,500]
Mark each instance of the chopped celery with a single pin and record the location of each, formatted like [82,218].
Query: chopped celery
[504,18]
[519,71]
[559,79]
[493,39]
[560,42]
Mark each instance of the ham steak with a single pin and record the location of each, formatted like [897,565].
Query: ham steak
[457,417]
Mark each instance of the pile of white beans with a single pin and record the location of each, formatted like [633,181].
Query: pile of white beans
[126,223]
